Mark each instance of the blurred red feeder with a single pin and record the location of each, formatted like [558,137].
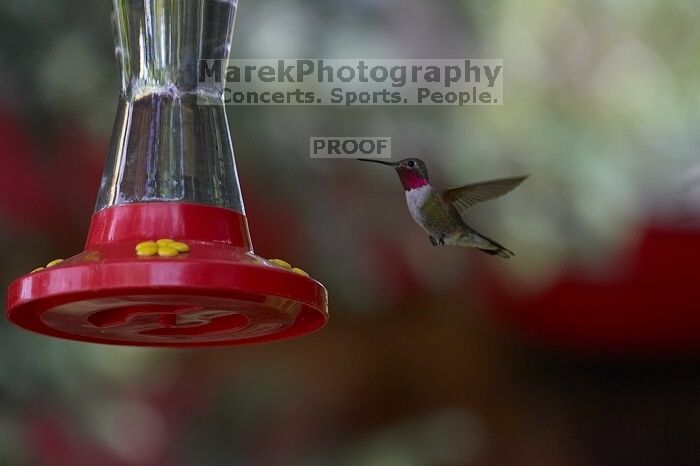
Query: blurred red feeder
[170,174]
[647,307]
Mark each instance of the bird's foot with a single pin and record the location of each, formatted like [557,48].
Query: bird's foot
[437,242]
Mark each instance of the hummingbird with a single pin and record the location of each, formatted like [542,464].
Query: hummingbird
[441,212]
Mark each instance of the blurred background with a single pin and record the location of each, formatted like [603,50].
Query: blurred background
[581,350]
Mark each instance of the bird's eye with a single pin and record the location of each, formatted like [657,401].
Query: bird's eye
[411,163]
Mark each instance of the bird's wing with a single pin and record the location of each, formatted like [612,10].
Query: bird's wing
[467,196]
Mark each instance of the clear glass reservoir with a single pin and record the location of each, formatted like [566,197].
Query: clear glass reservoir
[166,145]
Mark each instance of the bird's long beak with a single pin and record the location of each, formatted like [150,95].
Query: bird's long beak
[391,164]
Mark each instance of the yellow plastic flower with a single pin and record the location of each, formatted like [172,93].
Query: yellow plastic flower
[163,247]
[288,266]
[54,262]
[50,264]
[281,263]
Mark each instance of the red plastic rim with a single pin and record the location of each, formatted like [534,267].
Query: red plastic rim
[217,294]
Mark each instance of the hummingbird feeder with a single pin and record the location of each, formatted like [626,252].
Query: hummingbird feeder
[168,259]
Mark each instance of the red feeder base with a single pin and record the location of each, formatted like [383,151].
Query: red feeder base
[217,294]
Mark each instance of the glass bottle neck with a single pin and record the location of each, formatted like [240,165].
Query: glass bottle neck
[159,43]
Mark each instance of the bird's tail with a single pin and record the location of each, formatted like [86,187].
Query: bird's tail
[495,249]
